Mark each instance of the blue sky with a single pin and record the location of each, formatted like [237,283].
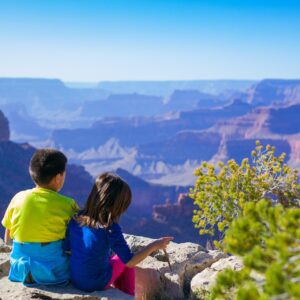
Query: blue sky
[93,40]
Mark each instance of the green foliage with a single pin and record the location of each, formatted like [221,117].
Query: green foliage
[268,239]
[202,294]
[257,207]
[222,193]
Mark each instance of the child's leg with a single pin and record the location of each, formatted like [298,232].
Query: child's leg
[126,282]
[122,277]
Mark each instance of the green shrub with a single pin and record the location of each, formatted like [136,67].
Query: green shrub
[221,193]
[256,207]
[268,239]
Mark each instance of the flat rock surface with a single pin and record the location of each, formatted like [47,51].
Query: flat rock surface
[17,291]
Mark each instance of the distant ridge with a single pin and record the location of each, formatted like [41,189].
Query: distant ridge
[36,82]
[164,88]
[81,85]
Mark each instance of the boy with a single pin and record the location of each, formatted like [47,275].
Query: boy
[36,220]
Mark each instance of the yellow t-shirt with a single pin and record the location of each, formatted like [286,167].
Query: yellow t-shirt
[38,215]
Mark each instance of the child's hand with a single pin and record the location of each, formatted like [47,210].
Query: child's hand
[163,242]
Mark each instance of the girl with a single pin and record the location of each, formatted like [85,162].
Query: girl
[95,231]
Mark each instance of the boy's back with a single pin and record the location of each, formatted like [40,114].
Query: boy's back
[38,215]
[36,220]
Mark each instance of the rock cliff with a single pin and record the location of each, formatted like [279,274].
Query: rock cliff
[270,91]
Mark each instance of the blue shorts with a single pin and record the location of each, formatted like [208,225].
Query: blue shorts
[47,263]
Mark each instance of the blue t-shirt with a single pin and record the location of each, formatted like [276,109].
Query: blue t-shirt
[90,248]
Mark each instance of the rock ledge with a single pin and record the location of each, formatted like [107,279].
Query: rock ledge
[154,278]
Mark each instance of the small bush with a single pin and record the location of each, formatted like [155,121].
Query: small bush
[257,208]
[221,193]
[268,239]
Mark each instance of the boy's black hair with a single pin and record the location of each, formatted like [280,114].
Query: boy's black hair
[45,164]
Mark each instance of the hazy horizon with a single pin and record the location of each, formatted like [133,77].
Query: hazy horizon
[95,82]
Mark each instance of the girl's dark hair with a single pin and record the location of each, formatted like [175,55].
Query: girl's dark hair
[45,164]
[109,198]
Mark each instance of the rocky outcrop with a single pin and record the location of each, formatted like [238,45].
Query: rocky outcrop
[167,212]
[275,126]
[4,128]
[248,126]
[205,118]
[204,280]
[270,91]
[168,219]
[155,278]
[285,120]
[189,99]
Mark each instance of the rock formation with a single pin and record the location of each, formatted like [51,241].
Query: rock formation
[4,128]
[183,146]
[154,278]
[204,280]
[183,208]
[169,219]
[270,91]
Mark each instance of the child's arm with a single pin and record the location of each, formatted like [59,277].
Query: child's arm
[7,238]
[121,248]
[139,256]
[7,220]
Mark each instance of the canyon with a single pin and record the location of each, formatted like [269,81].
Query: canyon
[155,142]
